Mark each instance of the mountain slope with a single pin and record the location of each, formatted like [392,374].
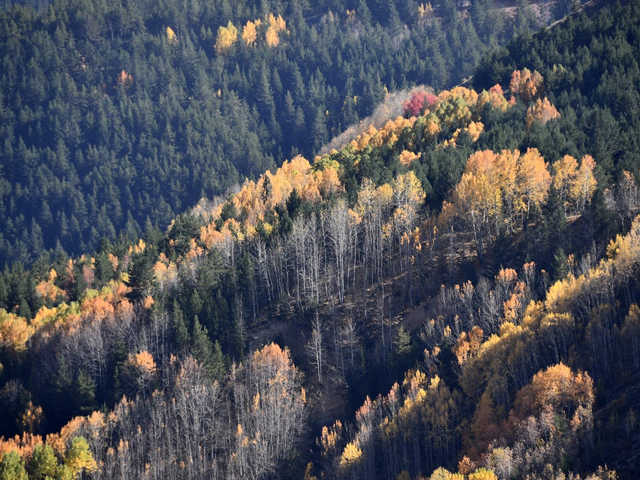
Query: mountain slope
[472,247]
[116,116]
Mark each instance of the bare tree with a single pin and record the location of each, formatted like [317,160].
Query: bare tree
[349,335]
[315,348]
[339,229]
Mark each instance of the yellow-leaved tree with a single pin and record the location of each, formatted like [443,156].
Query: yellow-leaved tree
[171,35]
[276,25]
[500,190]
[250,32]
[542,112]
[227,36]
[78,457]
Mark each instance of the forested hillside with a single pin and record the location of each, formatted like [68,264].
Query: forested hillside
[117,116]
[591,71]
[453,290]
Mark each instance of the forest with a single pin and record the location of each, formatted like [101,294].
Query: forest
[117,116]
[447,290]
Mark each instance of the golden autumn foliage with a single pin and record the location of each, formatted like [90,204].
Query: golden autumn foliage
[532,181]
[483,474]
[558,387]
[271,407]
[526,85]
[407,190]
[565,172]
[272,358]
[23,445]
[171,35]
[575,185]
[58,313]
[351,454]
[148,302]
[514,306]
[442,473]
[276,26]
[78,457]
[210,236]
[623,258]
[165,271]
[387,135]
[138,247]
[456,106]
[48,290]
[474,129]
[497,190]
[407,158]
[468,344]
[500,189]
[555,390]
[468,96]
[494,97]
[270,29]
[459,107]
[143,362]
[542,112]
[465,466]
[585,183]
[418,413]
[425,11]
[330,438]
[225,39]
[505,186]
[114,261]
[15,332]
[95,306]
[257,198]
[31,418]
[250,32]
[72,449]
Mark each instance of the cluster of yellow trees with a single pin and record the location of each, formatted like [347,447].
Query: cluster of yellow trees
[581,306]
[108,303]
[62,456]
[552,412]
[415,428]
[380,237]
[414,425]
[189,430]
[270,29]
[459,107]
[528,87]
[500,191]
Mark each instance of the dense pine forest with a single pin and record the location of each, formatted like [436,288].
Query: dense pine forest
[117,116]
[446,290]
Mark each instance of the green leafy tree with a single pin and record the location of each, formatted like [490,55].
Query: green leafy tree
[43,463]
[209,354]
[140,276]
[559,265]
[12,467]
[85,393]
[79,458]
[180,330]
